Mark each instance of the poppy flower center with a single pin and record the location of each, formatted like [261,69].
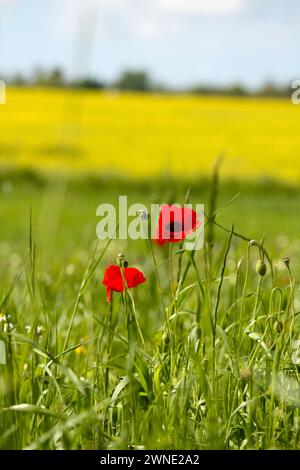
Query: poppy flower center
[174,227]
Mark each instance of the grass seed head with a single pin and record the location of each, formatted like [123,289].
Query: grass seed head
[143,214]
[245,374]
[286,261]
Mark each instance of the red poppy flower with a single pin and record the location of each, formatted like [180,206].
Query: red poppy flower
[113,279]
[175,223]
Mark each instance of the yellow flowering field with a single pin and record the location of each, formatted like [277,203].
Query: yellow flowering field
[145,135]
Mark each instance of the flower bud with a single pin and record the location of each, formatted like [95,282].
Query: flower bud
[120,259]
[261,267]
[279,326]
[245,374]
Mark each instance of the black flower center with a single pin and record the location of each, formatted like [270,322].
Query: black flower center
[174,227]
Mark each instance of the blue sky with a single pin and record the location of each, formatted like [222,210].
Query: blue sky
[179,42]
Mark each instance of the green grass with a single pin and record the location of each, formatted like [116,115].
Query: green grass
[218,365]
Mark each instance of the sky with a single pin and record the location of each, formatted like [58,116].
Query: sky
[179,42]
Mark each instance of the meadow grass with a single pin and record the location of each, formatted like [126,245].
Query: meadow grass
[217,364]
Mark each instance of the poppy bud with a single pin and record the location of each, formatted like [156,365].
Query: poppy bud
[279,326]
[166,338]
[120,259]
[286,261]
[125,264]
[261,267]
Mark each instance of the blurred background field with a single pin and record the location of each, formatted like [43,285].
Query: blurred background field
[63,152]
[64,210]
[148,135]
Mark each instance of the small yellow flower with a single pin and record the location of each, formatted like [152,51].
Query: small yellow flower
[81,350]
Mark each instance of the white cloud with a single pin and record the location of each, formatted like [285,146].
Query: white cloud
[141,18]
[156,28]
[148,29]
[206,7]
[71,14]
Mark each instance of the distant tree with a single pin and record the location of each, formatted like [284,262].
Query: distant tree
[39,77]
[52,78]
[233,90]
[159,87]
[237,90]
[89,83]
[269,89]
[18,80]
[56,78]
[200,89]
[134,80]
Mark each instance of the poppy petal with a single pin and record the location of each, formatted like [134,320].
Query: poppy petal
[175,223]
[113,279]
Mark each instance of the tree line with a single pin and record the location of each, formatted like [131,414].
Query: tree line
[138,81]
